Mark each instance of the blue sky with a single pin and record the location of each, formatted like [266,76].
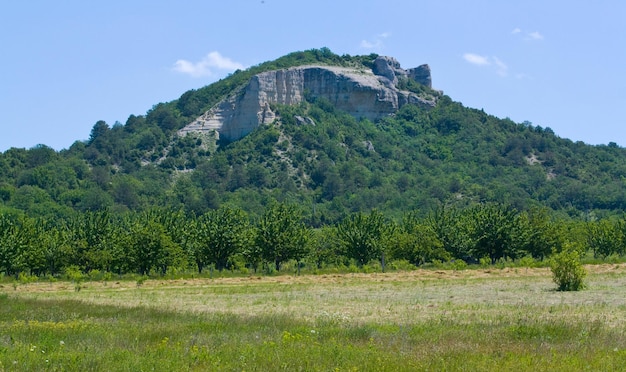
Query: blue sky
[67,64]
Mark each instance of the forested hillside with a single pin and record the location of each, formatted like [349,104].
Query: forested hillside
[330,162]
[335,167]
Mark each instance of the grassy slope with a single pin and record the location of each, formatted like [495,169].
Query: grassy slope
[438,320]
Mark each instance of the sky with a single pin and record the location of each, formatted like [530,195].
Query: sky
[66,64]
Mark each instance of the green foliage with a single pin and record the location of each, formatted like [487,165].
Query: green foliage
[220,235]
[139,198]
[567,270]
[365,237]
[416,159]
[607,237]
[281,235]
[76,276]
[325,247]
[447,225]
[151,248]
[539,234]
[492,230]
[416,242]
[163,242]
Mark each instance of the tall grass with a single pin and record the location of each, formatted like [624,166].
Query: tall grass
[433,327]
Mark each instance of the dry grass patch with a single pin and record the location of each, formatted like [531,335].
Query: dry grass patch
[399,298]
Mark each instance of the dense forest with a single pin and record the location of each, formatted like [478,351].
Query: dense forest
[137,197]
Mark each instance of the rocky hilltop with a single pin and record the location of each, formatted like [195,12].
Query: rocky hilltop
[362,92]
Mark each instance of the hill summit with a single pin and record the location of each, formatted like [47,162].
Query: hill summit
[363,92]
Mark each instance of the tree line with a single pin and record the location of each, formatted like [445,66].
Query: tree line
[158,241]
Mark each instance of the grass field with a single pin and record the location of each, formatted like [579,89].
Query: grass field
[509,319]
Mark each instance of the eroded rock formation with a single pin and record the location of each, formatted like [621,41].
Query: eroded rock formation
[363,93]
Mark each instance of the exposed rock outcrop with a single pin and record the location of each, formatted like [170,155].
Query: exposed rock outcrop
[363,93]
[421,74]
[388,67]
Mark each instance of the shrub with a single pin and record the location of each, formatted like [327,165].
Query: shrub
[567,271]
[25,278]
[74,274]
[94,274]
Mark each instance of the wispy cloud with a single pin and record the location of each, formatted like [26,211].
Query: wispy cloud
[535,35]
[476,59]
[207,65]
[377,42]
[501,68]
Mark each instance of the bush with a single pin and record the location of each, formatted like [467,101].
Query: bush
[74,274]
[25,278]
[567,271]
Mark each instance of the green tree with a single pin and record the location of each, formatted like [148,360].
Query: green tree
[281,234]
[325,246]
[151,248]
[126,191]
[13,242]
[179,226]
[416,242]
[606,237]
[99,136]
[94,241]
[540,236]
[33,251]
[447,224]
[221,234]
[365,237]
[40,155]
[55,245]
[492,230]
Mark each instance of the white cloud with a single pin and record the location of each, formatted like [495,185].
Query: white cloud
[536,35]
[377,43]
[206,65]
[476,59]
[501,68]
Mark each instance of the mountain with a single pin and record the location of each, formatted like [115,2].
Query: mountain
[335,134]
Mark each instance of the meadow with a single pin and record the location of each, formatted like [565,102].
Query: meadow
[427,320]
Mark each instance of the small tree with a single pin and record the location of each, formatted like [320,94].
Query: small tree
[281,235]
[151,248]
[567,271]
[450,229]
[605,237]
[416,242]
[222,233]
[492,231]
[365,237]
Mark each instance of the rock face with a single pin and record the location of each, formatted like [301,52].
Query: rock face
[421,74]
[363,93]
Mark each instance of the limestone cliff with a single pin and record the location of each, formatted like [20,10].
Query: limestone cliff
[363,93]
